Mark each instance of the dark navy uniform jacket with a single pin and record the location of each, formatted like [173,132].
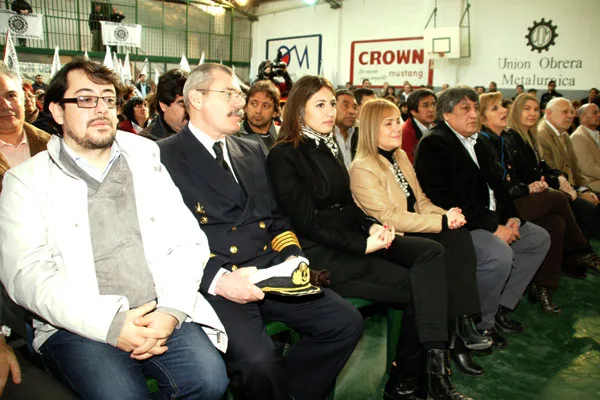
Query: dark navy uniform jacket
[242,220]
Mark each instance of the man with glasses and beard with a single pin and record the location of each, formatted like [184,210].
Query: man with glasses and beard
[98,245]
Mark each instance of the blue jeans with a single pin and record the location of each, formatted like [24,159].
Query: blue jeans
[192,368]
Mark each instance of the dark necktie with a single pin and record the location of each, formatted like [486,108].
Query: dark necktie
[218,149]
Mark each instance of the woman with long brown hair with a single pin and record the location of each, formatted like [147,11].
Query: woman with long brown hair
[365,257]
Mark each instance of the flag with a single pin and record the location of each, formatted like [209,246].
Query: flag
[145,67]
[55,63]
[85,55]
[115,34]
[201,59]
[235,77]
[126,72]
[26,26]
[156,75]
[117,66]
[184,64]
[108,61]
[10,55]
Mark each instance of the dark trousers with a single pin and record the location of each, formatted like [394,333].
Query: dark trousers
[587,215]
[461,270]
[330,328]
[407,273]
[551,211]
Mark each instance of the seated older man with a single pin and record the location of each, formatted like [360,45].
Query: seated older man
[455,170]
[558,152]
[586,144]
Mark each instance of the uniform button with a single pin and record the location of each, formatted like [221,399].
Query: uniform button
[152,219]
[265,248]
[234,228]
[234,267]
[203,220]
[262,225]
[233,249]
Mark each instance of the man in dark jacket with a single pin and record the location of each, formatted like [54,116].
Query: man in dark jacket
[171,108]
[96,27]
[21,7]
[455,170]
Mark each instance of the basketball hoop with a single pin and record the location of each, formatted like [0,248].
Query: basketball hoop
[438,59]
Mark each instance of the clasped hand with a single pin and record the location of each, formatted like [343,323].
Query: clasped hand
[146,331]
[455,217]
[538,186]
[380,237]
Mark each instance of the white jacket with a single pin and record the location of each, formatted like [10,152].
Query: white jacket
[46,258]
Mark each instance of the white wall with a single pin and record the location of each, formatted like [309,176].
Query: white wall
[498,30]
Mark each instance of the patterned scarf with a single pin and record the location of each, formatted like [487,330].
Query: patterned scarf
[318,138]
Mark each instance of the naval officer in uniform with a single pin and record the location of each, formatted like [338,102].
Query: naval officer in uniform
[223,180]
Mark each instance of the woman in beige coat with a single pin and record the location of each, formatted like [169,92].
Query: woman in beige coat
[385,186]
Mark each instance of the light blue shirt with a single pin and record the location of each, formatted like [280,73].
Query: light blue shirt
[87,167]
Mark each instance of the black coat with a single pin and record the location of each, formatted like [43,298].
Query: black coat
[242,221]
[526,166]
[313,189]
[450,178]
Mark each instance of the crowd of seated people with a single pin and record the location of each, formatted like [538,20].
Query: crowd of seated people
[142,256]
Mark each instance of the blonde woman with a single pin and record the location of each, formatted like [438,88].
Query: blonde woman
[384,185]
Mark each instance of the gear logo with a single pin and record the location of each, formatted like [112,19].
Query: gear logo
[541,35]
[17,24]
[121,34]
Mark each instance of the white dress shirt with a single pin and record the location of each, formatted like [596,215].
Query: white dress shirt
[469,145]
[208,143]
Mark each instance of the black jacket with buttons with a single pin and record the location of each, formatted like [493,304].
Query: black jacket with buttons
[241,220]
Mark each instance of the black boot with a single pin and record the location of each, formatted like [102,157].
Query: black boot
[466,331]
[505,323]
[439,384]
[543,295]
[465,363]
[400,386]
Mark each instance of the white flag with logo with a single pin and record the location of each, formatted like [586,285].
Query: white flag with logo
[55,63]
[126,71]
[117,65]
[144,68]
[108,61]
[22,26]
[10,55]
[127,35]
[184,63]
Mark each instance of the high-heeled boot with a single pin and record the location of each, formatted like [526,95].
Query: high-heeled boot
[439,383]
[543,295]
[466,331]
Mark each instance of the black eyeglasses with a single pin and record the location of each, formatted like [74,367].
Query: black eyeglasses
[92,101]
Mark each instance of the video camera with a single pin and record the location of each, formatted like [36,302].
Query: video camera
[270,69]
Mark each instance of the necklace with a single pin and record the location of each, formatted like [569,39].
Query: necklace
[399,177]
